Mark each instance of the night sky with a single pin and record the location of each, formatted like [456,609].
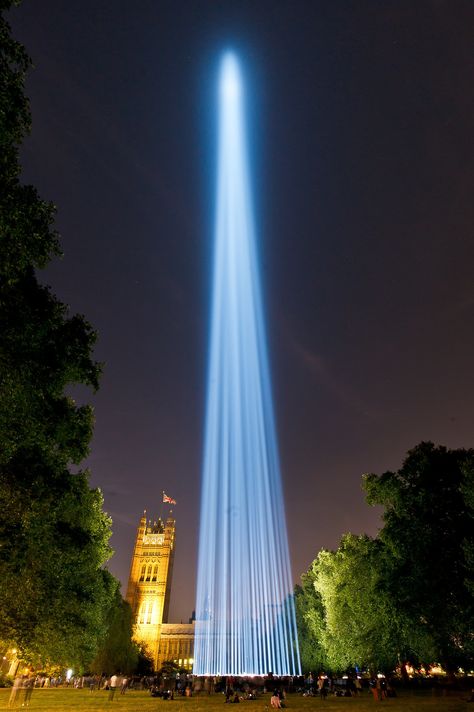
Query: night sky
[361,118]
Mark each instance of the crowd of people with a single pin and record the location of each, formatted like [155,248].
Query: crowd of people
[348,686]
[238,689]
[234,689]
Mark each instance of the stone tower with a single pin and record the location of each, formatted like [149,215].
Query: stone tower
[149,584]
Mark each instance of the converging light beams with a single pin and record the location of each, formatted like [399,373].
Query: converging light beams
[245,621]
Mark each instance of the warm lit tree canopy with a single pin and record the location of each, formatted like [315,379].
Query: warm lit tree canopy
[310,620]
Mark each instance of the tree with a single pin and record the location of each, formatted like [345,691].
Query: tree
[347,617]
[54,594]
[363,626]
[310,621]
[170,669]
[118,652]
[428,525]
[25,220]
[144,662]
[467,492]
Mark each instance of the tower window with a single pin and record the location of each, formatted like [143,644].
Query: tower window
[149,612]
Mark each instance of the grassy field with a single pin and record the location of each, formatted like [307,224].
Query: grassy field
[60,700]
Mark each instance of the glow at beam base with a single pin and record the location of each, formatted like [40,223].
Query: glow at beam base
[245,618]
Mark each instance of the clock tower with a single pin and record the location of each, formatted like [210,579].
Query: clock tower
[149,584]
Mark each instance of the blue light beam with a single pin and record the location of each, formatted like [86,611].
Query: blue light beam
[245,619]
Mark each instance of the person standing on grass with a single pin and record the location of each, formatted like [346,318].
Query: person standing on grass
[28,685]
[112,686]
[17,685]
[374,689]
[322,689]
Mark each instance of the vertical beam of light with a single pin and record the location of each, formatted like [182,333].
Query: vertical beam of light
[245,618]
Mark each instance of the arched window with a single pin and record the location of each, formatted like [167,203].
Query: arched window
[142,573]
[148,573]
[155,573]
[150,612]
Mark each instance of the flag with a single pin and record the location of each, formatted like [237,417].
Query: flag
[167,499]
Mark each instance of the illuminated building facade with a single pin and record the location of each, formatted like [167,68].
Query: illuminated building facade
[148,593]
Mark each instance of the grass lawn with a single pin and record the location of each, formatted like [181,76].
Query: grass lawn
[60,700]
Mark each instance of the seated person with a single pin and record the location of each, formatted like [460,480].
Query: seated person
[275,700]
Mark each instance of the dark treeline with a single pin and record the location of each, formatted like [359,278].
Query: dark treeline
[59,606]
[405,596]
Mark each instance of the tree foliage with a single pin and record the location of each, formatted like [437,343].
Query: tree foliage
[407,595]
[363,625]
[310,621]
[428,529]
[170,669]
[118,653]
[25,220]
[54,594]
[54,537]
